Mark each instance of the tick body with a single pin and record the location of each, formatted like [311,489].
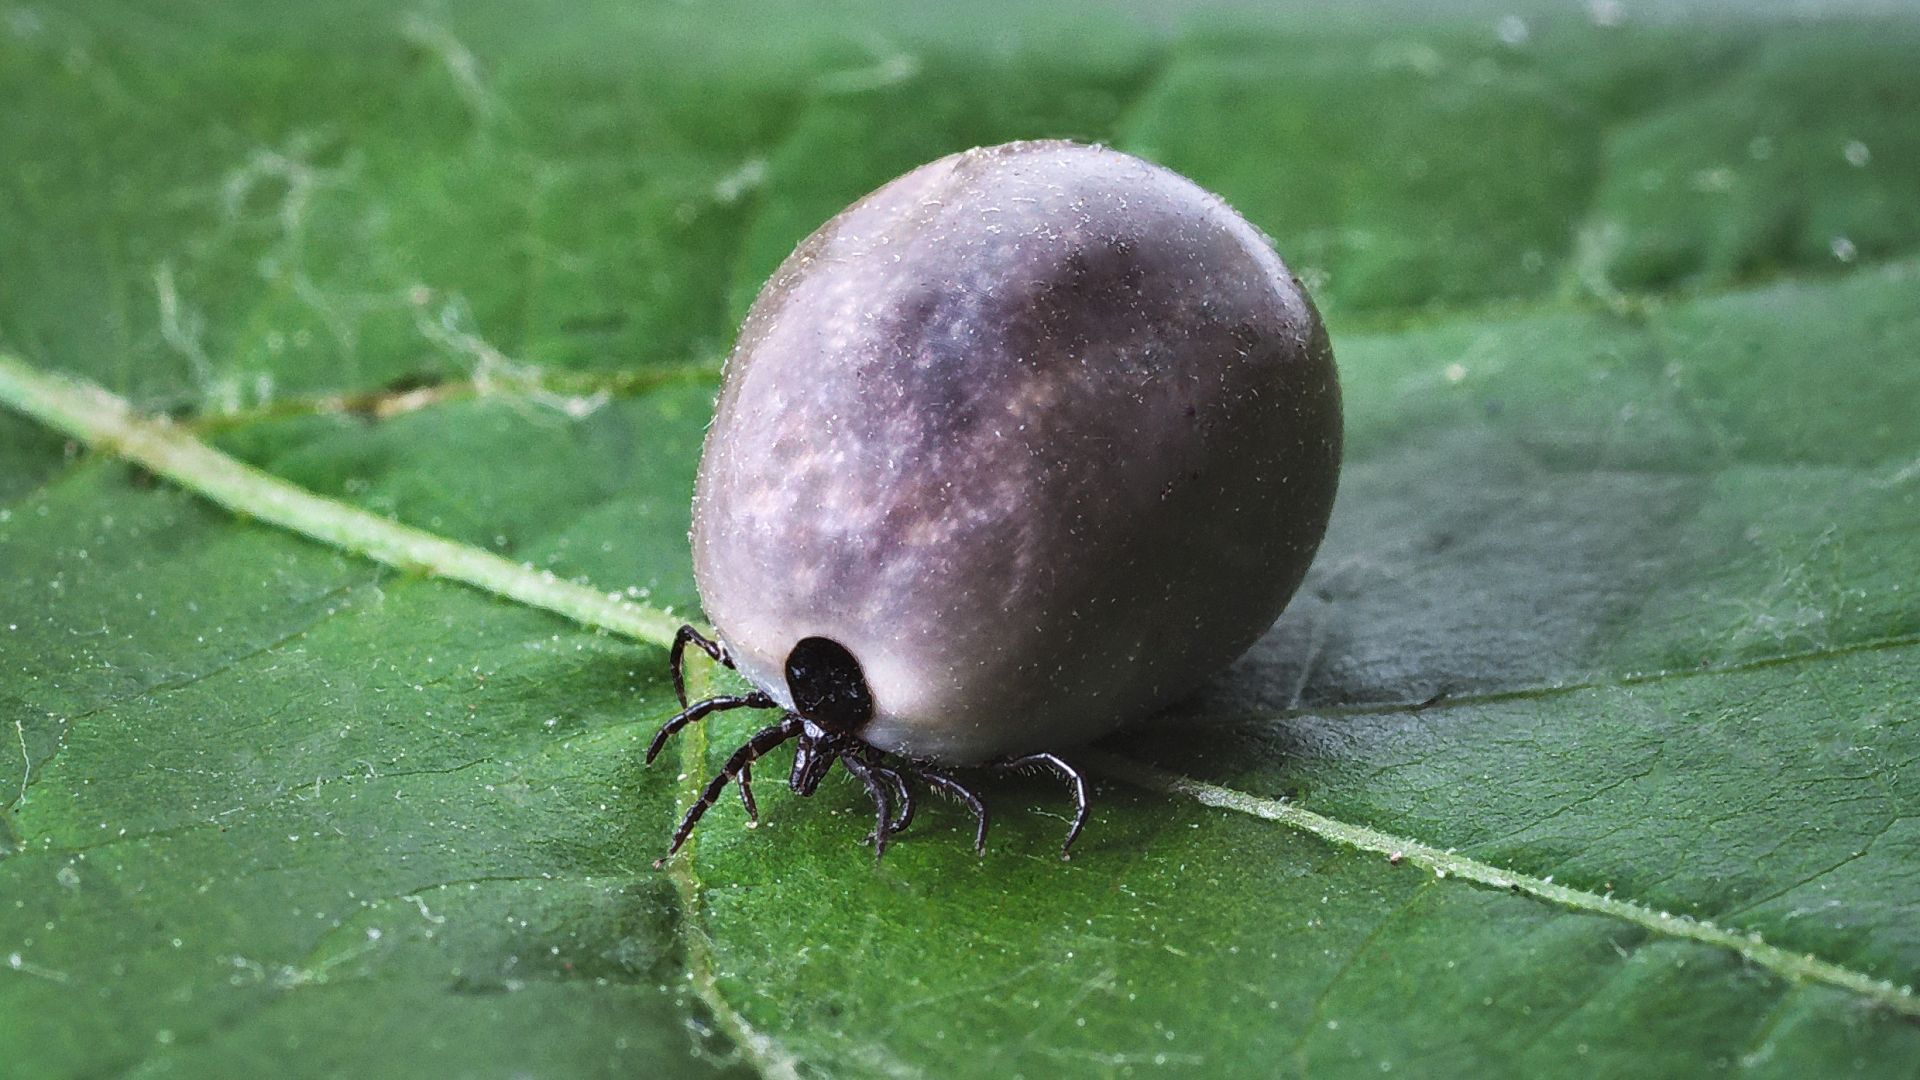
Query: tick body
[1024,445]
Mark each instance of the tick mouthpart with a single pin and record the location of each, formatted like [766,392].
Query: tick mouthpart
[814,753]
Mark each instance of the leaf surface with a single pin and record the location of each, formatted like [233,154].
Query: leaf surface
[1587,749]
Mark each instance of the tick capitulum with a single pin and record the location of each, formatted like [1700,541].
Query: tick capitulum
[831,704]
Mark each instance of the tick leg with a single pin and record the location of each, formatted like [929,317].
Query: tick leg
[699,711]
[764,740]
[882,801]
[688,635]
[898,779]
[899,782]
[959,791]
[746,794]
[1053,764]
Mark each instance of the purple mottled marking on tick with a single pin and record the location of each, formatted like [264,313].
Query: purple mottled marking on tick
[1043,434]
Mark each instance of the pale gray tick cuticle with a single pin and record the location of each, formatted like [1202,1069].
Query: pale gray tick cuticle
[1043,434]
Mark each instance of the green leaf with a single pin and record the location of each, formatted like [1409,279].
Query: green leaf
[1588,748]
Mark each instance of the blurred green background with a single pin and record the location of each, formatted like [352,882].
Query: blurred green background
[1627,307]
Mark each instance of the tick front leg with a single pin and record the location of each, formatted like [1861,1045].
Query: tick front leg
[688,635]
[699,710]
[746,794]
[764,740]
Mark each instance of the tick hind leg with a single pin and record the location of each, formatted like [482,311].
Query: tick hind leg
[940,781]
[897,774]
[882,792]
[897,777]
[1052,763]
[690,636]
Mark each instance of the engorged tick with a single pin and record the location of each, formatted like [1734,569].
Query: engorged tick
[1024,445]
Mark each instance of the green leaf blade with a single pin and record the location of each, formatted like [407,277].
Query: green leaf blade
[1586,750]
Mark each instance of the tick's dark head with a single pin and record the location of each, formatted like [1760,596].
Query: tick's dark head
[828,686]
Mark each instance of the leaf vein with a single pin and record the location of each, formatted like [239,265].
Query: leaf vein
[1750,946]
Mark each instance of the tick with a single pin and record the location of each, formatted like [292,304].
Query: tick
[1024,445]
